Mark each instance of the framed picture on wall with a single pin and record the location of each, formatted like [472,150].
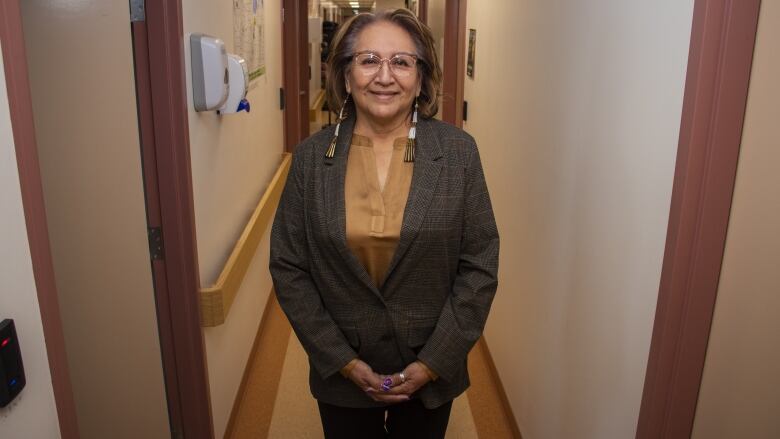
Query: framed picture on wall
[472,49]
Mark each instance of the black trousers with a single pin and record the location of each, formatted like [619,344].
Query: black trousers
[407,420]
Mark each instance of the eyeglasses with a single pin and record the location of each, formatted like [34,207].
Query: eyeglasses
[401,64]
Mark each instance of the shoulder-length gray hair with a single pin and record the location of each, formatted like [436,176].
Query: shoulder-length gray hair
[342,52]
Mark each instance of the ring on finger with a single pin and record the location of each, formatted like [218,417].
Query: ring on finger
[387,384]
[403,377]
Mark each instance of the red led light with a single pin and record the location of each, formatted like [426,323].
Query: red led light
[5,342]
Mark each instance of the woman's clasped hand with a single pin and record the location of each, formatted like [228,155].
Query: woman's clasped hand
[395,388]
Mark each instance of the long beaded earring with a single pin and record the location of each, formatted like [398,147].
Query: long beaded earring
[332,148]
[410,142]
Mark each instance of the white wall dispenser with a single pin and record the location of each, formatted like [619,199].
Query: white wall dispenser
[238,85]
[209,62]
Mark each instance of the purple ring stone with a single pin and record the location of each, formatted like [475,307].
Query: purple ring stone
[387,384]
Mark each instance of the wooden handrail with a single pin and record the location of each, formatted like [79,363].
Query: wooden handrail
[215,301]
[316,106]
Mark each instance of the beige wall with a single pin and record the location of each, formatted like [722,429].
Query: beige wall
[33,413]
[81,73]
[740,391]
[315,58]
[435,18]
[576,111]
[233,159]
[389,4]
[436,10]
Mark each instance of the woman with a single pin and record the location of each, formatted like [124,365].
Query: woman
[384,249]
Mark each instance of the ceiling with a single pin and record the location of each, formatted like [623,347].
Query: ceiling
[364,4]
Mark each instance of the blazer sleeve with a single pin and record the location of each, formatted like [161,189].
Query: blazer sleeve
[298,295]
[463,316]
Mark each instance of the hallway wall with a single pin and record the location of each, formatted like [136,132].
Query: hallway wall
[576,108]
[436,11]
[233,160]
[740,389]
[33,413]
[83,91]
[435,20]
[389,4]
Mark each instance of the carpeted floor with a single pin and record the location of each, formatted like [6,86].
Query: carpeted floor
[276,402]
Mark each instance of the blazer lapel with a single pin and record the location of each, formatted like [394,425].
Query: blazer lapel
[427,168]
[334,174]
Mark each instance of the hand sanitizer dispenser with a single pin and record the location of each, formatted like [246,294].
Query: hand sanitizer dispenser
[209,62]
[238,85]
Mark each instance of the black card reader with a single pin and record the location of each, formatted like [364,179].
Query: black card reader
[11,370]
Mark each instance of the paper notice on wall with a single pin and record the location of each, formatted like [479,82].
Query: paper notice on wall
[248,35]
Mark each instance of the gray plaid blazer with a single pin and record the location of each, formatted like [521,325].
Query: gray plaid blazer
[438,289]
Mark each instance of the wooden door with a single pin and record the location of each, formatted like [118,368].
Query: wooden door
[295,60]
[454,62]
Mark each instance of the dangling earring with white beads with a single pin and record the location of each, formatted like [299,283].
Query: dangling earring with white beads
[332,148]
[410,142]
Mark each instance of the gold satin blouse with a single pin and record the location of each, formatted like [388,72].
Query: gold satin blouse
[374,214]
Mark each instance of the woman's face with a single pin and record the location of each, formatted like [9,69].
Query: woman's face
[384,98]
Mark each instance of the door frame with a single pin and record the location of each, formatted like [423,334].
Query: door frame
[454,62]
[422,10]
[721,52]
[295,72]
[23,127]
[158,48]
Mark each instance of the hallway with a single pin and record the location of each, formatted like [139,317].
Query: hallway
[630,152]
[276,402]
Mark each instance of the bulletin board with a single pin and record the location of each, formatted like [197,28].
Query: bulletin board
[248,35]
